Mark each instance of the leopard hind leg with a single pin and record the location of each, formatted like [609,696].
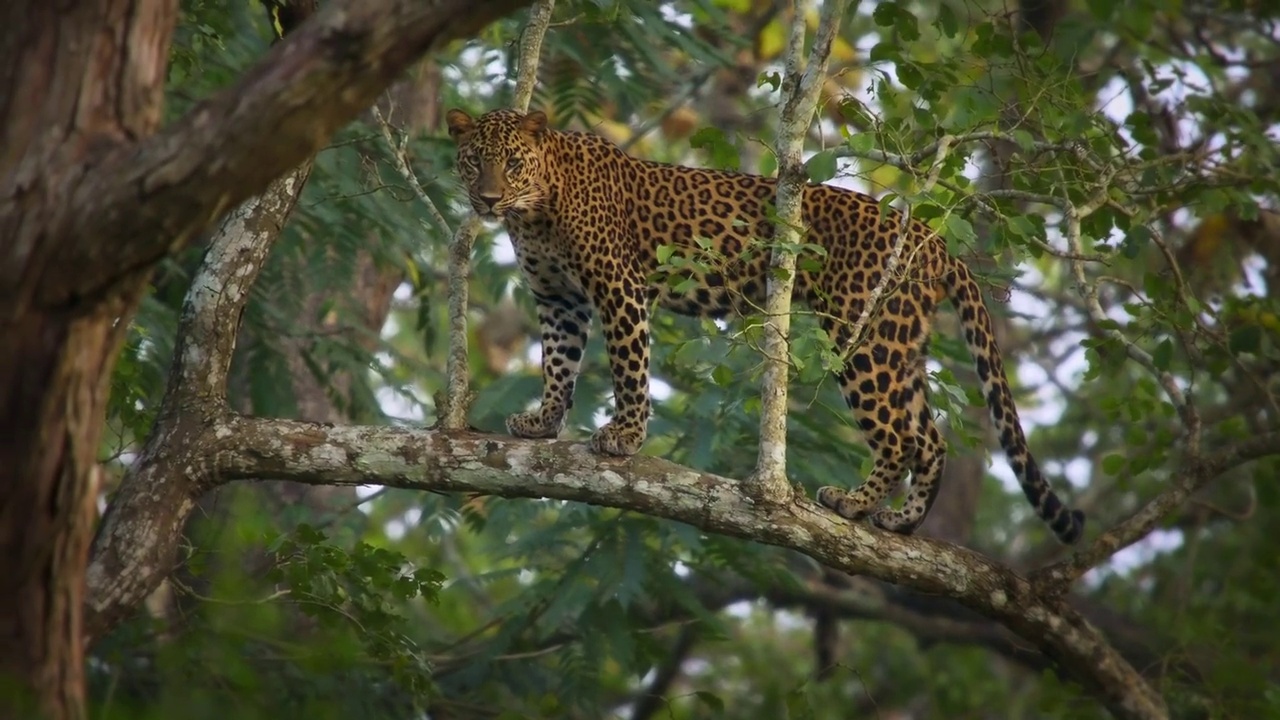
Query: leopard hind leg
[927,461]
[874,389]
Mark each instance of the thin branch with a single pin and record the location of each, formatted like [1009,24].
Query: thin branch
[530,51]
[1192,477]
[1072,147]
[654,696]
[942,147]
[399,152]
[456,401]
[800,86]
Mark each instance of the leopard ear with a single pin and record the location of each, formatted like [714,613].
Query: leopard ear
[534,123]
[459,123]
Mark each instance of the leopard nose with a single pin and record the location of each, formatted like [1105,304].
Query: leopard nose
[489,199]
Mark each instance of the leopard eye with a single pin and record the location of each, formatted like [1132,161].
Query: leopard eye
[513,163]
[471,162]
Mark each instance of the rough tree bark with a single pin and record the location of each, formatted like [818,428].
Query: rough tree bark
[69,92]
[230,447]
[91,197]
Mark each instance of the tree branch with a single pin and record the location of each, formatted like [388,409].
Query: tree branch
[228,148]
[654,697]
[800,86]
[1192,478]
[196,392]
[457,394]
[213,305]
[232,447]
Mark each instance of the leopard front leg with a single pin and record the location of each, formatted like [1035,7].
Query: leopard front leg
[625,318]
[565,320]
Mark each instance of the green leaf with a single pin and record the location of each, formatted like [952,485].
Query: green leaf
[1246,339]
[959,229]
[1024,140]
[862,142]
[723,154]
[711,701]
[947,22]
[686,285]
[664,253]
[549,705]
[768,164]
[722,375]
[1134,240]
[910,75]
[1163,354]
[1022,225]
[822,166]
[1135,435]
[1113,464]
[884,52]
[1102,10]
[927,211]
[885,13]
[798,706]
[809,263]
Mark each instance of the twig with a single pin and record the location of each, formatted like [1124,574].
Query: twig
[696,82]
[400,158]
[457,396]
[1039,146]
[655,695]
[530,50]
[941,149]
[800,86]
[1195,473]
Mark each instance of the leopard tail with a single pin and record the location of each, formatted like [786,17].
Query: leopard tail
[1067,524]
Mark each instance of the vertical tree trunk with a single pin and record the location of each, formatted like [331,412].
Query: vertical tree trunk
[53,367]
[76,79]
[90,199]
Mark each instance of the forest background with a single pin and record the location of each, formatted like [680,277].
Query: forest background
[1110,169]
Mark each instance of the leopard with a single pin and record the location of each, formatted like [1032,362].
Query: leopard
[587,220]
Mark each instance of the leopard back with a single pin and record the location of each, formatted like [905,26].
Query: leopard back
[588,221]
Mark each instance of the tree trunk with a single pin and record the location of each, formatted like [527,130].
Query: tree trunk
[91,197]
[53,367]
[74,82]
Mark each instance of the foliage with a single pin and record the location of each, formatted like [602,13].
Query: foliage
[1115,185]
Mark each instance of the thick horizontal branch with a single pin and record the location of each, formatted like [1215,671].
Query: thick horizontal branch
[238,448]
[141,201]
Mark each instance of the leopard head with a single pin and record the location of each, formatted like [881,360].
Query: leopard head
[500,159]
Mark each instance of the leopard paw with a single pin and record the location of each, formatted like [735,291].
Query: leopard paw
[841,502]
[533,425]
[896,521]
[613,440]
